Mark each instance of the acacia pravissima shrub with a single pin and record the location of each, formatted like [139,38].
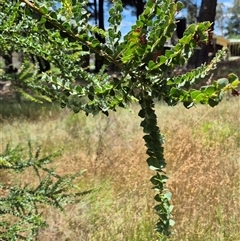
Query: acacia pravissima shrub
[65,37]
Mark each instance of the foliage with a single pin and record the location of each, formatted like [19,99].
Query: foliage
[146,71]
[22,81]
[21,205]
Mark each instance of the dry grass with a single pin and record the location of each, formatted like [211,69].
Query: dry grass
[203,156]
[204,166]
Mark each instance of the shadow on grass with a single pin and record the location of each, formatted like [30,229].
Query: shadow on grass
[11,109]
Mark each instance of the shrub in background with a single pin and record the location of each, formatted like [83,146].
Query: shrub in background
[21,205]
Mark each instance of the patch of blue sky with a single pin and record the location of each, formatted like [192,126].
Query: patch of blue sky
[56,5]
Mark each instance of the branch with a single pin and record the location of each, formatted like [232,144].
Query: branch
[70,33]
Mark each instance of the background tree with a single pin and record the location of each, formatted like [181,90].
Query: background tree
[220,18]
[138,6]
[233,25]
[192,8]
[207,12]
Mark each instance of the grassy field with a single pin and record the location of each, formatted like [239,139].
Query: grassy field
[202,151]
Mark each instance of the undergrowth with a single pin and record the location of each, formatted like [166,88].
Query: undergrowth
[204,172]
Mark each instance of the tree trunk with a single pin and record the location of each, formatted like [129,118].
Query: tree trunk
[99,60]
[9,69]
[207,13]
[139,7]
